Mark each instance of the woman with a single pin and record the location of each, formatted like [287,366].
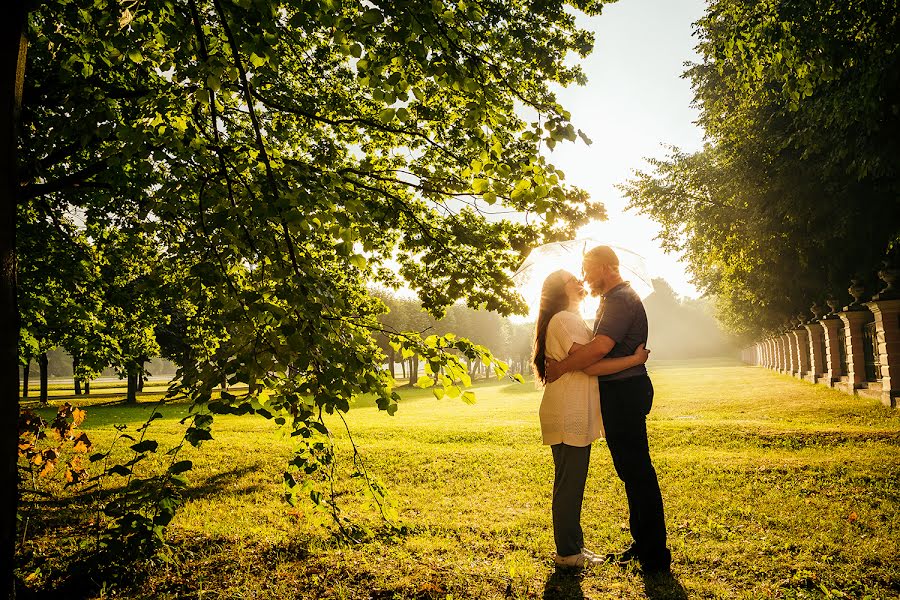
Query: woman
[570,409]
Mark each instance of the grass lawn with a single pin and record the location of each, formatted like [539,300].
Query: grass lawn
[773,488]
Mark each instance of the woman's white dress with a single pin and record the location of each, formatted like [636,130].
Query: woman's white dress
[570,408]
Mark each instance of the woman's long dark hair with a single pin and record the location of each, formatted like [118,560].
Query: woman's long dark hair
[553,300]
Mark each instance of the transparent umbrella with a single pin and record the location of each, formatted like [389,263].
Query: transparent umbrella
[568,255]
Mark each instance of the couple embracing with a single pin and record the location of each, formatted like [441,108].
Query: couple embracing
[575,410]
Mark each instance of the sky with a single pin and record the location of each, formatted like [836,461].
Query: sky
[634,104]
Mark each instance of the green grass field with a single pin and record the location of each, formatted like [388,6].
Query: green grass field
[773,488]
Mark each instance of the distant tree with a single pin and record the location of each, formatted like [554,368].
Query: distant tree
[521,346]
[682,327]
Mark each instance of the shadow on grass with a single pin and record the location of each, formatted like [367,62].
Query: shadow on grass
[563,584]
[664,587]
[224,484]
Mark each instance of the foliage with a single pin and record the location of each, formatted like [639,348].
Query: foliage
[41,444]
[252,166]
[504,338]
[796,190]
[118,523]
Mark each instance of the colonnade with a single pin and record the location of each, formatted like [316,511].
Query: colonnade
[855,349]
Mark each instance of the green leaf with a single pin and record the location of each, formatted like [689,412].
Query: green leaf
[257,60]
[387,115]
[358,261]
[181,466]
[373,16]
[119,470]
[424,382]
[468,397]
[145,446]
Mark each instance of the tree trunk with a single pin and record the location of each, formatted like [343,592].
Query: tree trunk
[12,63]
[76,380]
[413,369]
[87,387]
[43,363]
[392,355]
[131,396]
[140,379]
[26,371]
[403,367]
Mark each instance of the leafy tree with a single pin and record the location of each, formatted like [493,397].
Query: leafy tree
[796,191]
[521,345]
[683,327]
[281,154]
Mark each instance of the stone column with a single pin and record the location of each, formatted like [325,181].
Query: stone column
[791,346]
[854,317]
[782,355]
[887,328]
[832,362]
[790,351]
[886,307]
[801,338]
[816,360]
[779,362]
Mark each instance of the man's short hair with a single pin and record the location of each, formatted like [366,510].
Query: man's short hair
[603,255]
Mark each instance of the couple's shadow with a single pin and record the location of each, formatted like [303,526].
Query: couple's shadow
[565,584]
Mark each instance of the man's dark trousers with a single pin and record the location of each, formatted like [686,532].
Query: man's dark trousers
[624,404]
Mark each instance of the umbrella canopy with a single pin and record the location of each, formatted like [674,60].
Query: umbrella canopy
[568,255]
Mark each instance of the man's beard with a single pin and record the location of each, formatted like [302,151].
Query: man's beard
[596,287]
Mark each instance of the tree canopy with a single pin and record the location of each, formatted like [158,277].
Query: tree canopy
[282,154]
[263,161]
[796,191]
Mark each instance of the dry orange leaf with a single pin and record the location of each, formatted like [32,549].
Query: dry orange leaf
[82,443]
[78,416]
[853,517]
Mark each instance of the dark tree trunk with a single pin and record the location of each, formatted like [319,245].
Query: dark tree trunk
[76,380]
[392,355]
[403,368]
[413,369]
[12,75]
[87,387]
[131,396]
[26,371]
[140,380]
[43,363]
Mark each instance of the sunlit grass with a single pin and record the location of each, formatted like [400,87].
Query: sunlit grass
[774,488]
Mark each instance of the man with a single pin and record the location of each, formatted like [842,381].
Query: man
[625,400]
